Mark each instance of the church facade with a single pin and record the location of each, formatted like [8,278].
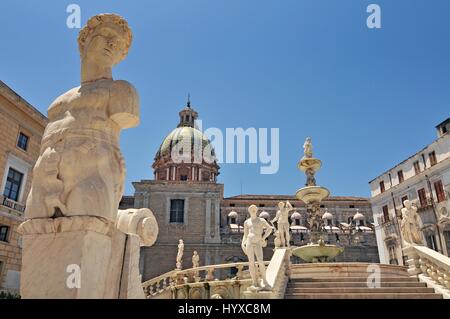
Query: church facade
[189,204]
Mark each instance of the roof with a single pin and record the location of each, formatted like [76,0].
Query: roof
[415,154]
[16,99]
[443,123]
[293,198]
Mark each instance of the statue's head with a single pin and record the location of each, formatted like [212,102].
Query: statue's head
[195,252]
[105,39]
[180,241]
[407,203]
[280,205]
[252,210]
[308,140]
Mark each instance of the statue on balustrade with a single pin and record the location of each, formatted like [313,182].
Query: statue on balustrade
[256,231]
[180,254]
[195,260]
[410,225]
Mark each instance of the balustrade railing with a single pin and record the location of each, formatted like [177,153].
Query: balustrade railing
[429,265]
[15,207]
[203,274]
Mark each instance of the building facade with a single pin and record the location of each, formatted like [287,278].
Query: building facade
[423,178]
[189,204]
[21,130]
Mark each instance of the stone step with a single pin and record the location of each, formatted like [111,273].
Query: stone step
[354,279]
[364,296]
[347,290]
[353,284]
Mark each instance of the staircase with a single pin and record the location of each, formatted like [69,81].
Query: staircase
[351,283]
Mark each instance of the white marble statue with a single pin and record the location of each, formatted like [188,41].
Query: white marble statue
[195,260]
[80,170]
[307,148]
[256,231]
[180,254]
[72,216]
[282,219]
[410,225]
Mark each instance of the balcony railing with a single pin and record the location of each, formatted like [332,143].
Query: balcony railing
[14,207]
[389,229]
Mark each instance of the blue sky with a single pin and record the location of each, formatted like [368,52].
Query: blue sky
[369,98]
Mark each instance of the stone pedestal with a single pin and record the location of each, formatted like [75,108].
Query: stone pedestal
[62,252]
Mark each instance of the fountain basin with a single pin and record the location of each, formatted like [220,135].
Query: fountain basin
[317,253]
[312,194]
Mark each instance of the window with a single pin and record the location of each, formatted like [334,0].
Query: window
[233,220]
[392,256]
[422,197]
[261,205]
[177,210]
[403,200]
[431,242]
[232,205]
[183,177]
[432,157]
[13,183]
[352,206]
[439,188]
[322,206]
[4,231]
[444,129]
[297,222]
[401,178]
[22,141]
[417,167]
[382,188]
[386,213]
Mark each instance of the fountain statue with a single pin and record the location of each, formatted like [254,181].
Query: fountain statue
[312,195]
[252,244]
[180,252]
[282,219]
[76,243]
[410,225]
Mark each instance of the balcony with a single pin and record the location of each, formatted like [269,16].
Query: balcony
[14,207]
[390,230]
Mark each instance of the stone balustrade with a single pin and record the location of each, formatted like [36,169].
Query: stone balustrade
[430,267]
[203,282]
[193,283]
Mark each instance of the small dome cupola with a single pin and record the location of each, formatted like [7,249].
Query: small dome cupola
[188,115]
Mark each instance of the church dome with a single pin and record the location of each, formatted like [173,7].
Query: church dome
[186,138]
[186,154]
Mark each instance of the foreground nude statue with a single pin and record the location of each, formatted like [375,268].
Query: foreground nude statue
[282,219]
[256,231]
[73,227]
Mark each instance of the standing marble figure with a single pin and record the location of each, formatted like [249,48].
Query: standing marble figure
[256,231]
[282,219]
[410,225]
[307,148]
[180,254]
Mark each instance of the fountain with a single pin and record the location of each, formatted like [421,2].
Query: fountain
[312,195]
